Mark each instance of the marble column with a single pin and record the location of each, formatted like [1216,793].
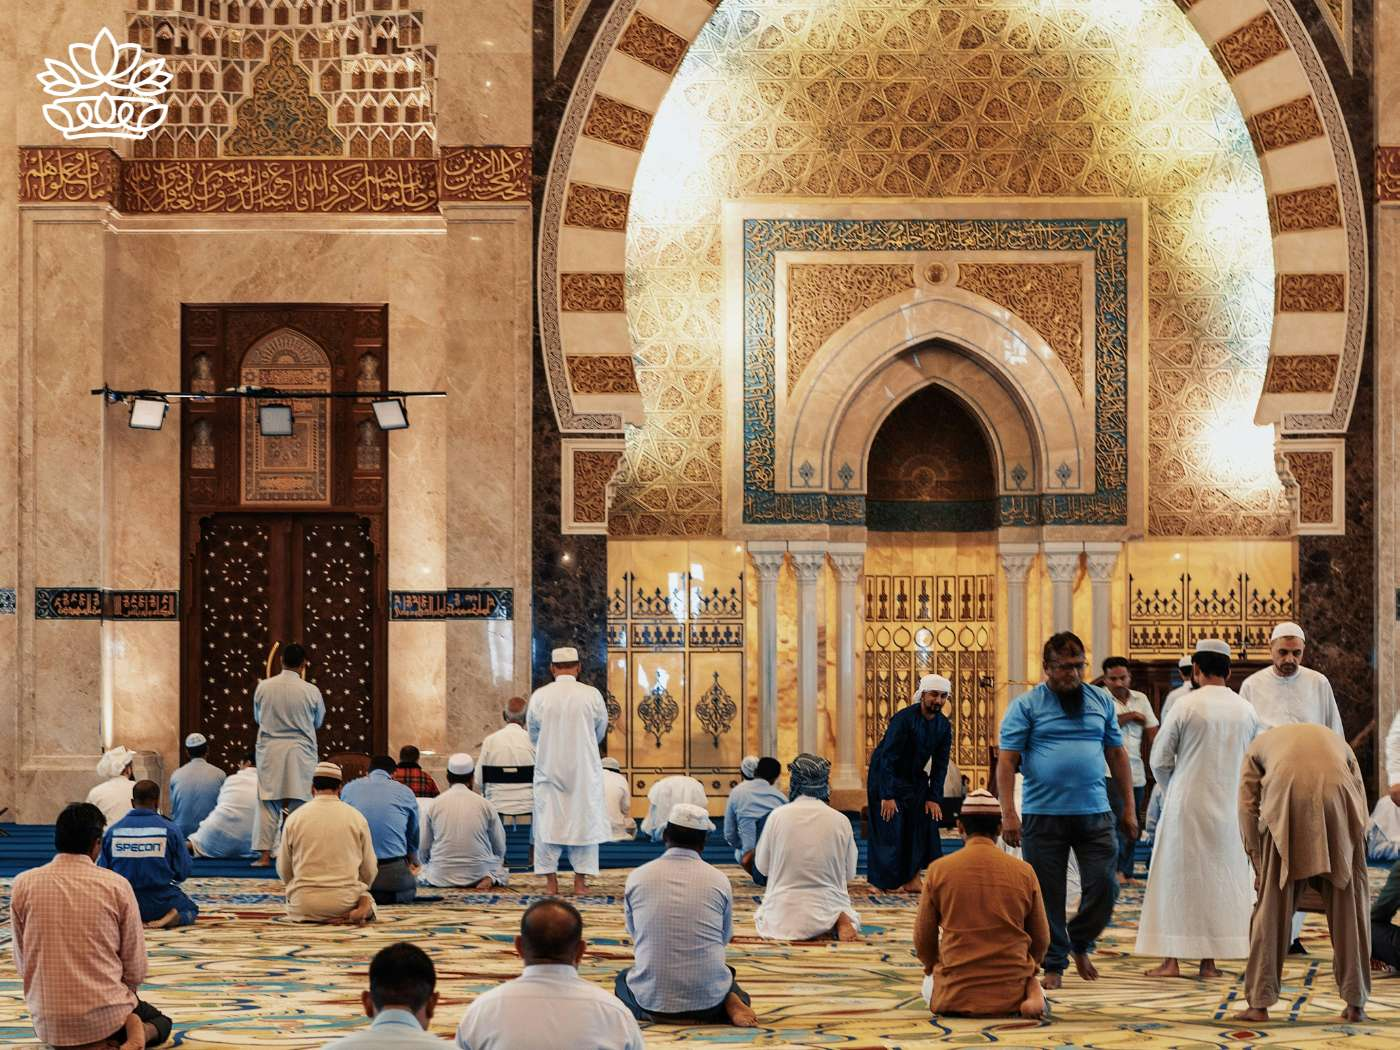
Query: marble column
[1061,565]
[808,558]
[768,558]
[1016,562]
[1100,559]
[848,559]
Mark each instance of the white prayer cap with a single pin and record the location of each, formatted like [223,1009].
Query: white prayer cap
[195,740]
[613,764]
[1213,645]
[689,815]
[461,764]
[114,761]
[749,766]
[1287,630]
[931,683]
[564,655]
[981,803]
[329,770]
[1184,663]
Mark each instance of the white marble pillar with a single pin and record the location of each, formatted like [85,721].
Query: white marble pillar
[768,558]
[1062,565]
[1016,562]
[808,557]
[848,560]
[1100,559]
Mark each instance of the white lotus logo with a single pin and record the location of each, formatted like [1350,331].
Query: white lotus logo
[105,89]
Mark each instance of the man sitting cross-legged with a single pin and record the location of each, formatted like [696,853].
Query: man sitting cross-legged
[391,811]
[327,858]
[401,999]
[149,852]
[549,1005]
[680,915]
[994,932]
[464,843]
[229,830]
[808,852]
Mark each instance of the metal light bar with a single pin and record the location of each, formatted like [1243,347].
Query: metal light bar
[265,394]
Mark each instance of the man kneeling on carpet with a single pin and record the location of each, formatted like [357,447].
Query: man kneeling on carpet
[402,998]
[327,858]
[995,932]
[464,843]
[391,811]
[680,916]
[79,947]
[149,851]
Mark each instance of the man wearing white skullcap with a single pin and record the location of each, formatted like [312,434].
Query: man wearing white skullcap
[194,787]
[1187,684]
[748,805]
[327,856]
[617,797]
[567,720]
[680,916]
[904,789]
[113,795]
[464,843]
[1196,761]
[666,793]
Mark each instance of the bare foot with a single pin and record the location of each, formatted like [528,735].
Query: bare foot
[1169,968]
[1254,1013]
[264,860]
[485,884]
[846,929]
[912,886]
[1052,981]
[741,1015]
[580,885]
[362,912]
[1085,967]
[551,885]
[1209,969]
[164,921]
[1033,1007]
[1354,1013]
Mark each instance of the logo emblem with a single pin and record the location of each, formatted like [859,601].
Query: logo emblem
[105,89]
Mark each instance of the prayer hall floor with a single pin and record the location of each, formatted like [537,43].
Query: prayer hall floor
[244,977]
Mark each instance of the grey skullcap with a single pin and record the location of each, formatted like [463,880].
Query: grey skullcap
[749,766]
[809,775]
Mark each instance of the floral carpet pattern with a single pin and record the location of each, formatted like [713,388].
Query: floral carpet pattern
[245,977]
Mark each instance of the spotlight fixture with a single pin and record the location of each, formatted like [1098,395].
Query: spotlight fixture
[391,414]
[275,420]
[148,412]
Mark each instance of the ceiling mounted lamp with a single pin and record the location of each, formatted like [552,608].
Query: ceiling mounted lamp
[148,412]
[391,414]
[275,420]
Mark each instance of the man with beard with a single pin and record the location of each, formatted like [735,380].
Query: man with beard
[1059,734]
[905,792]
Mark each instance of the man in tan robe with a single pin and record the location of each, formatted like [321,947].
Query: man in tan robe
[995,932]
[1303,819]
[327,857]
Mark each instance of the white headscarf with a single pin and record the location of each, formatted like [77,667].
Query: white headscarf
[931,683]
[114,761]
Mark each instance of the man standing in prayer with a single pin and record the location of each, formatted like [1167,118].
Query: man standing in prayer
[78,944]
[617,796]
[567,720]
[113,795]
[411,775]
[1196,761]
[905,789]
[994,930]
[228,831]
[391,811]
[464,843]
[1059,734]
[1138,724]
[149,851]
[808,852]
[327,857]
[509,748]
[1188,683]
[549,1005]
[401,1001]
[288,711]
[749,803]
[680,916]
[194,787]
[666,793]
[1303,820]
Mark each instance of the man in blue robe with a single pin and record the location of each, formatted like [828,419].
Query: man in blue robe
[905,789]
[149,851]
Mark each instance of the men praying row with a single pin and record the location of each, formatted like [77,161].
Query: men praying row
[326,860]
[463,841]
[391,811]
[748,806]
[666,793]
[194,787]
[149,851]
[288,711]
[1138,723]
[228,831]
[509,748]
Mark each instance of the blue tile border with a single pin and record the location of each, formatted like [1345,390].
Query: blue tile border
[7,601]
[455,603]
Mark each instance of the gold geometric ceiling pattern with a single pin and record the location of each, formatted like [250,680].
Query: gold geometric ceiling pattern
[960,98]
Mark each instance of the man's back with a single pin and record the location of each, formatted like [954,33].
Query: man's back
[463,832]
[679,912]
[390,809]
[618,795]
[748,803]
[287,708]
[667,793]
[323,846]
[194,791]
[228,830]
[113,797]
[548,1006]
[508,746]
[391,1029]
[808,852]
[146,849]
[566,720]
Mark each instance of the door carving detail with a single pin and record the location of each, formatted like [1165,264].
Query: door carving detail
[338,603]
[295,469]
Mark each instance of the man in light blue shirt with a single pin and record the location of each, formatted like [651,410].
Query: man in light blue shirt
[194,787]
[749,802]
[391,811]
[1059,734]
[401,999]
[680,916]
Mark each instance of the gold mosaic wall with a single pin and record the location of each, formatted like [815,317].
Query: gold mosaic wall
[961,98]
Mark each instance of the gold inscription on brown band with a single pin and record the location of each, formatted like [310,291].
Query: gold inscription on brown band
[591,292]
[617,122]
[1311,292]
[602,374]
[1317,208]
[68,175]
[485,173]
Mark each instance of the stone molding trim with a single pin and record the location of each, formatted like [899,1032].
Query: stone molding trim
[461,174]
[1315,478]
[1262,47]
[590,465]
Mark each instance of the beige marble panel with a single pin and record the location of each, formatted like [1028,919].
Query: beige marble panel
[484,76]
[64,22]
[1386,45]
[142,679]
[417,684]
[1387,305]
[481,678]
[9,417]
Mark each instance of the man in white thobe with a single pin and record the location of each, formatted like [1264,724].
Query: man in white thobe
[288,711]
[617,794]
[567,720]
[1187,684]
[1197,759]
[228,831]
[1288,693]
[808,852]
[113,795]
[463,842]
[509,748]
[668,792]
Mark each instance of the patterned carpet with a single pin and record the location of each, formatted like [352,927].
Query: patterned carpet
[243,977]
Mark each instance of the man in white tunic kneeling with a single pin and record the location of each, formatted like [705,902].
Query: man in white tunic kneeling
[463,841]
[809,854]
[1200,886]
[228,831]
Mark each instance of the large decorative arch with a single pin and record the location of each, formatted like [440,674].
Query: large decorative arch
[1265,53]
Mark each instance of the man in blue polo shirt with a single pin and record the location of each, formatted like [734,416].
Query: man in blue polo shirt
[391,811]
[1059,734]
[149,851]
